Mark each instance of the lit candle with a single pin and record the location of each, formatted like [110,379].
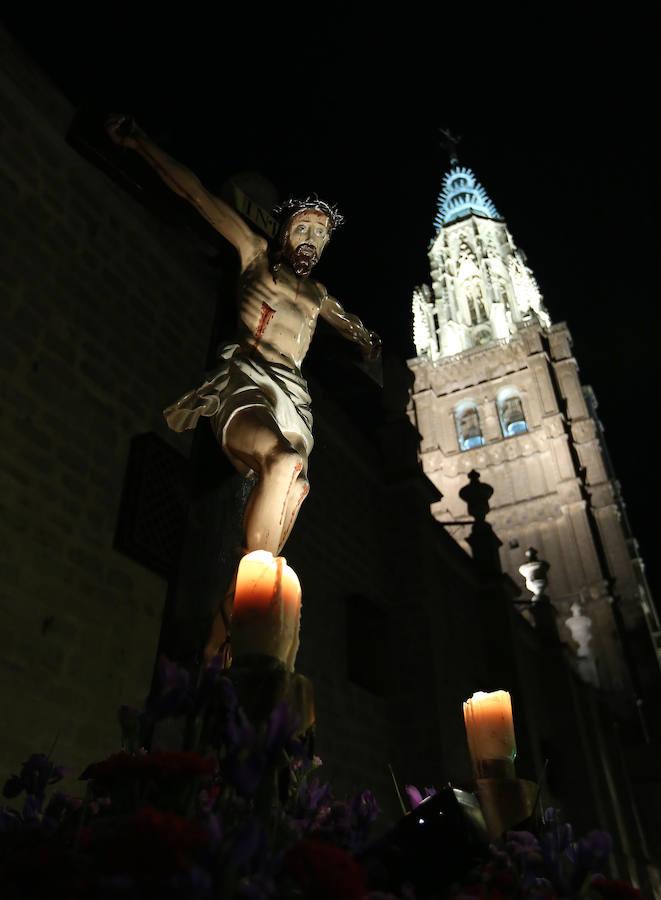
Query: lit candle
[267,608]
[490,733]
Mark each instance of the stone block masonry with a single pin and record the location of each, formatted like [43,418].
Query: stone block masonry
[106,315]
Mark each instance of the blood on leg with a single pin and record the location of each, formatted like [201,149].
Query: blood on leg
[298,468]
[297,496]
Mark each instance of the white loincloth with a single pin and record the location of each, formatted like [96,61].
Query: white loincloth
[243,380]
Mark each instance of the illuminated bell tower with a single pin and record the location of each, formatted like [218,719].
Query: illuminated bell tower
[497,390]
[482,290]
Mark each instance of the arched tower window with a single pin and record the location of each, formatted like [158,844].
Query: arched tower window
[469,430]
[510,412]
[477,312]
[500,290]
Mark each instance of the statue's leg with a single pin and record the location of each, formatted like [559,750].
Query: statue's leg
[299,493]
[253,437]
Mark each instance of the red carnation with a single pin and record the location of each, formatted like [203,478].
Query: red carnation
[325,872]
[157,765]
[471,890]
[184,763]
[151,842]
[615,889]
[176,832]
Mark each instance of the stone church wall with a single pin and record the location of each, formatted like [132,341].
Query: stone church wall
[105,318]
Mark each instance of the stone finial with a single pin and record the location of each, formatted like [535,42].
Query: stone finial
[535,572]
[580,626]
[476,496]
[482,540]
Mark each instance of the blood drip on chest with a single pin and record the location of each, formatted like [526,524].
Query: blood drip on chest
[265,316]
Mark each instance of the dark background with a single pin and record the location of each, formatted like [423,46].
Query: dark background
[557,116]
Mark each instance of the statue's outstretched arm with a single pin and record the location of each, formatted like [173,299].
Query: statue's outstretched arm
[124,131]
[349,326]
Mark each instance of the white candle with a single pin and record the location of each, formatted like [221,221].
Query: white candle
[490,732]
[267,608]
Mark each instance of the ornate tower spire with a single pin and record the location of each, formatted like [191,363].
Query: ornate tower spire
[482,290]
[463,195]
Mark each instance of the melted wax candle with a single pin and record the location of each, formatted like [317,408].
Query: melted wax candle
[267,608]
[490,733]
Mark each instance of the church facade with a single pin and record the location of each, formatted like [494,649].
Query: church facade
[497,390]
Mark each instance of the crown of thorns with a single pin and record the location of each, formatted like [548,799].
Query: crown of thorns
[289,208]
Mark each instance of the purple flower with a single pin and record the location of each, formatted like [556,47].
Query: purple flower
[175,697]
[345,823]
[60,806]
[218,665]
[522,843]
[415,798]
[244,771]
[171,675]
[524,852]
[593,850]
[365,807]
[312,794]
[250,753]
[37,773]
[249,843]
[281,726]
[568,863]
[557,837]
[236,731]
[413,794]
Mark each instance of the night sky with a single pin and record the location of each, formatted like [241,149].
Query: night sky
[556,121]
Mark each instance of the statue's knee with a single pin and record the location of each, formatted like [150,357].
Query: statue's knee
[283,461]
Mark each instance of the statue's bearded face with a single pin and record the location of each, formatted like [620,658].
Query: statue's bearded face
[307,235]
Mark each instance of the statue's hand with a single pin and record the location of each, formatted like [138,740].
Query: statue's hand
[372,349]
[123,131]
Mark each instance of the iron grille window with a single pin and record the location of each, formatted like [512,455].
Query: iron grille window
[153,509]
[367,639]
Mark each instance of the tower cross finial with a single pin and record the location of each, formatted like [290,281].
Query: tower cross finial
[450,142]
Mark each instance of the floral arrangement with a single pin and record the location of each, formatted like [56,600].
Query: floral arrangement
[244,814]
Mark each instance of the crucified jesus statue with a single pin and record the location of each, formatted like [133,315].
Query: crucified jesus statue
[257,400]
